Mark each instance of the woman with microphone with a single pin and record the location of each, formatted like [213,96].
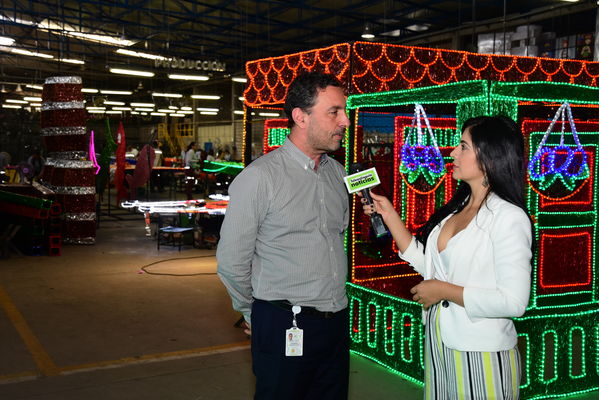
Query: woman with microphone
[474,254]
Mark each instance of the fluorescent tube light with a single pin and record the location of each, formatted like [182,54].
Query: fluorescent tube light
[205,97]
[122,108]
[114,103]
[240,80]
[188,77]
[207,109]
[10,106]
[71,61]
[173,95]
[31,53]
[238,112]
[142,104]
[208,113]
[140,54]
[16,101]
[38,87]
[158,114]
[6,41]
[89,90]
[144,109]
[34,99]
[267,114]
[121,92]
[132,72]
[185,108]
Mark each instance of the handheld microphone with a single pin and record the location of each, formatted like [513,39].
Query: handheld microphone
[376,220]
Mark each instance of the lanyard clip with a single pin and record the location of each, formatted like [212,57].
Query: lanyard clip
[295,310]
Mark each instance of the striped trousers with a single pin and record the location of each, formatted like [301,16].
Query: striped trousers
[455,375]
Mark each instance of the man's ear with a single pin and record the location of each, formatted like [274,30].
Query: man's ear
[299,117]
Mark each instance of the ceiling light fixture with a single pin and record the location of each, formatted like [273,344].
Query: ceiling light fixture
[18,89]
[208,113]
[367,34]
[116,92]
[34,99]
[89,90]
[71,61]
[204,109]
[143,109]
[158,114]
[132,72]
[173,95]
[37,87]
[114,103]
[205,97]
[184,108]
[10,106]
[189,77]
[418,27]
[238,112]
[16,101]
[122,108]
[6,41]
[267,114]
[240,80]
[140,54]
[31,53]
[142,104]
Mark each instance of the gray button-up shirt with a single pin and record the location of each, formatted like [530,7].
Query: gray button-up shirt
[282,237]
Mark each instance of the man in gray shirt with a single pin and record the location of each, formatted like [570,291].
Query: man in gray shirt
[281,246]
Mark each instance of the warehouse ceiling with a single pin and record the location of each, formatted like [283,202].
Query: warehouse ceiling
[216,37]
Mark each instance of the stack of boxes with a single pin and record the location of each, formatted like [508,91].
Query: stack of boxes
[68,172]
[531,41]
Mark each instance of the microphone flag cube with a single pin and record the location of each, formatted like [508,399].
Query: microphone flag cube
[361,180]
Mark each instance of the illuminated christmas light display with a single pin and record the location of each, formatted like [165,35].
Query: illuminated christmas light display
[550,163]
[559,333]
[421,158]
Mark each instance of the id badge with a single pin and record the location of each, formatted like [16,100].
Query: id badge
[294,342]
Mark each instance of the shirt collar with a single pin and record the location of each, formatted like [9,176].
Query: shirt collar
[295,153]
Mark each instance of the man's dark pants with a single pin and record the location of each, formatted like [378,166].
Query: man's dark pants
[323,370]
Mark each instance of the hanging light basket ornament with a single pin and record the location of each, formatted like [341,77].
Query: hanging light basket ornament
[422,166]
[557,171]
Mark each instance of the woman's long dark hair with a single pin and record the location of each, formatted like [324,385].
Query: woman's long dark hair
[499,150]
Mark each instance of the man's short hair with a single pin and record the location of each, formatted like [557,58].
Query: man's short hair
[303,91]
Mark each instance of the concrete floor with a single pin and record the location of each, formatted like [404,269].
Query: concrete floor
[91,324]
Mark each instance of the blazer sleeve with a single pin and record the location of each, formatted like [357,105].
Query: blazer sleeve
[511,239]
[414,255]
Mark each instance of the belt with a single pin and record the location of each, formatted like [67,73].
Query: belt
[286,305]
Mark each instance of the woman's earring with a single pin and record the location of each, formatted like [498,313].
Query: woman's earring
[485,181]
